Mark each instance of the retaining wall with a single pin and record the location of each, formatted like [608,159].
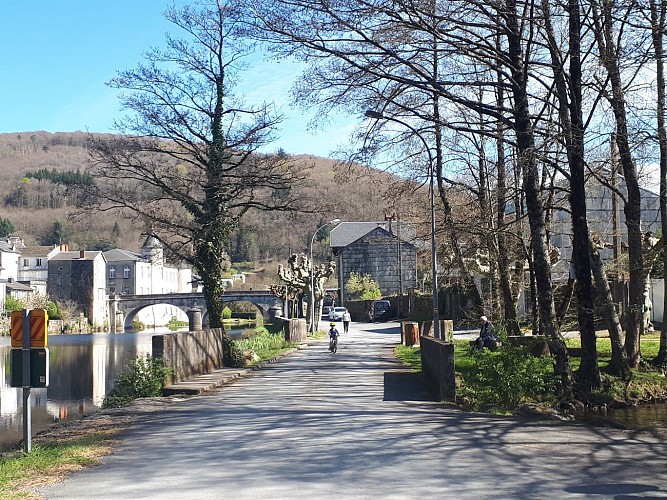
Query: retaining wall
[189,354]
[438,367]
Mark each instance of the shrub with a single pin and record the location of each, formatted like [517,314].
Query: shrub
[264,344]
[226,313]
[507,377]
[145,378]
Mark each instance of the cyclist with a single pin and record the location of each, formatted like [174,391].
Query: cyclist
[333,337]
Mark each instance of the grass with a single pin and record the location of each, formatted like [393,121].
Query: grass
[49,462]
[264,344]
[648,384]
[409,356]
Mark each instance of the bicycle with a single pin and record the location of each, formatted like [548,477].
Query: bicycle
[333,344]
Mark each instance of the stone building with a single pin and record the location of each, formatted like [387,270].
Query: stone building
[80,277]
[387,251]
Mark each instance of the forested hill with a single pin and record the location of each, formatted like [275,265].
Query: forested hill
[39,170]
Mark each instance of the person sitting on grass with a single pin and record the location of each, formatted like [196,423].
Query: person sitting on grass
[487,335]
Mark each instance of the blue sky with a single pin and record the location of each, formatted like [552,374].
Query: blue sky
[56,56]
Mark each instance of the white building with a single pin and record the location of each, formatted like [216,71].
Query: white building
[34,265]
[9,259]
[146,273]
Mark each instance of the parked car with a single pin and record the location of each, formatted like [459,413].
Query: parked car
[326,310]
[379,308]
[336,314]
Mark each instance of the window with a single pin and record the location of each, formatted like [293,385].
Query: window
[26,262]
[60,269]
[39,262]
[126,272]
[112,272]
[126,290]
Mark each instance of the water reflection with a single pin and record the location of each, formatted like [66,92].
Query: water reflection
[82,370]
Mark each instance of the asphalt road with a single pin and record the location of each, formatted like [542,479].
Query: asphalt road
[355,425]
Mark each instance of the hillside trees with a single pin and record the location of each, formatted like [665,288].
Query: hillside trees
[187,164]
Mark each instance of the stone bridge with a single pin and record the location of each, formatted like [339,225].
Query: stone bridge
[124,308]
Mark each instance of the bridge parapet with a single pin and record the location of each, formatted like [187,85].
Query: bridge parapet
[124,308]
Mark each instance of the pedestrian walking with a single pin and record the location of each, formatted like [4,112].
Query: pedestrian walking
[346,321]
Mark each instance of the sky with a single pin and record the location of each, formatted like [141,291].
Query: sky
[57,55]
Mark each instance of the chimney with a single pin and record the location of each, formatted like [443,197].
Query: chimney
[64,247]
[82,254]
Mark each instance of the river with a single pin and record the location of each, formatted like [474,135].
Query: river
[82,369]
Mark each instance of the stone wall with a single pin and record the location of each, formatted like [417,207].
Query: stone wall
[377,253]
[438,367]
[189,354]
[296,330]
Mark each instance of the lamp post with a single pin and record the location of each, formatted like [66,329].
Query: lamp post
[312,275]
[434,261]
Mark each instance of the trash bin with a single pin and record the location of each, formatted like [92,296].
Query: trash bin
[410,334]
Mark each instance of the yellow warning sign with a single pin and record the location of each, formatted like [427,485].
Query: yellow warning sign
[39,320]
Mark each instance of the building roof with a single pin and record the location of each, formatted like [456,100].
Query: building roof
[88,255]
[152,241]
[37,250]
[120,255]
[19,287]
[8,247]
[346,233]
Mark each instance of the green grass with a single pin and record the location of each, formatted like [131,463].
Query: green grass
[647,384]
[264,344]
[410,356]
[49,461]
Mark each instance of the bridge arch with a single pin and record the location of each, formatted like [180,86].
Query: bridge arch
[124,308]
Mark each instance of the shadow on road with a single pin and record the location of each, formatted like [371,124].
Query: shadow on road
[406,386]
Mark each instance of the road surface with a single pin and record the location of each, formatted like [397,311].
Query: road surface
[356,425]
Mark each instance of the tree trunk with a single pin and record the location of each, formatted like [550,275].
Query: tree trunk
[619,362]
[658,9]
[526,158]
[604,22]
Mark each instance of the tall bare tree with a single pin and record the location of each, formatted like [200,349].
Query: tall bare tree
[187,162]
[610,20]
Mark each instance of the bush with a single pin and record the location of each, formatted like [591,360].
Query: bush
[226,313]
[507,377]
[138,326]
[145,378]
[264,344]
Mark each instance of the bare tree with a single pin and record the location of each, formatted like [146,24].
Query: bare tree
[190,168]
[418,60]
[609,23]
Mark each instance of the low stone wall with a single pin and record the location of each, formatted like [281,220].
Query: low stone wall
[296,330]
[438,367]
[189,354]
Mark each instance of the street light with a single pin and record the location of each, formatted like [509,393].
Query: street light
[312,275]
[434,262]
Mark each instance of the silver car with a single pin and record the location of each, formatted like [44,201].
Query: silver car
[336,314]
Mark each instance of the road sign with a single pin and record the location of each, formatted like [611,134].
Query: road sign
[39,320]
[39,367]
